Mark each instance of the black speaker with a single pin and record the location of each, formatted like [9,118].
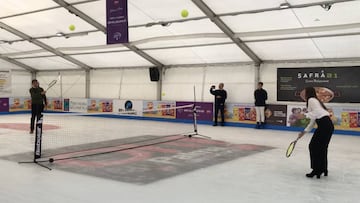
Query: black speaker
[154,74]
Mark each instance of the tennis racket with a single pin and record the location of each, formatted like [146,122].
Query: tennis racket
[52,83]
[291,147]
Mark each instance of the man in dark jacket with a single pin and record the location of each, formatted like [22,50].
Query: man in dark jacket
[220,97]
[38,100]
[260,97]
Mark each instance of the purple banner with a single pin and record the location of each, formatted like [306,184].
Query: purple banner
[4,104]
[117,28]
[204,111]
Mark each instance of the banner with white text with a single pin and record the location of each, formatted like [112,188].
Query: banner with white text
[332,84]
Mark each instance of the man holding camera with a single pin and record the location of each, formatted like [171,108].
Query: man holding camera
[220,97]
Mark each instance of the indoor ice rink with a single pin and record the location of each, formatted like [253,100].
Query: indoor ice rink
[260,177]
[129,113]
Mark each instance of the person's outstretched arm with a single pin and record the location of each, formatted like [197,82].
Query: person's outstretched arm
[212,90]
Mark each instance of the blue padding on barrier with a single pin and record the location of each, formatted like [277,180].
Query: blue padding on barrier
[15,112]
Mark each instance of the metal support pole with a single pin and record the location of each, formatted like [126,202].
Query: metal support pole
[87,84]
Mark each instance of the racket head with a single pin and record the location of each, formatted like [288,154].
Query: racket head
[291,148]
[52,83]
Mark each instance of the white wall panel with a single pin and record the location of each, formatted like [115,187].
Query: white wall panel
[20,83]
[71,84]
[239,83]
[105,84]
[123,84]
[136,84]
[178,84]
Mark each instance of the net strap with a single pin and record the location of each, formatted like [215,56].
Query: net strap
[66,156]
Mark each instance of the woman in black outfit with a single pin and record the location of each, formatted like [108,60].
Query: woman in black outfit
[318,147]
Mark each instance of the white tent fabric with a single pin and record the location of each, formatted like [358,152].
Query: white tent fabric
[214,32]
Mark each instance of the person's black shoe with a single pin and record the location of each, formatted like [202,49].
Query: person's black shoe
[31,132]
[215,124]
[222,124]
[313,173]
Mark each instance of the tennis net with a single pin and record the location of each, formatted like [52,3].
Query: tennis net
[75,135]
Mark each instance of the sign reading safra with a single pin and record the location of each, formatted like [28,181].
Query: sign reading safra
[332,84]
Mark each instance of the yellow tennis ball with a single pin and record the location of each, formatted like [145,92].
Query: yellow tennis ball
[72,27]
[184,13]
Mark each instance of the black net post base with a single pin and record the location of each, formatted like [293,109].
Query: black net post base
[195,133]
[38,142]
[35,162]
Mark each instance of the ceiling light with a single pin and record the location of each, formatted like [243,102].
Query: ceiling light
[150,24]
[165,24]
[59,34]
[326,7]
[284,5]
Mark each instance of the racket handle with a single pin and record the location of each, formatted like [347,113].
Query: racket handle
[300,135]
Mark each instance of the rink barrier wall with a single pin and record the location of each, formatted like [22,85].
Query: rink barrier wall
[237,114]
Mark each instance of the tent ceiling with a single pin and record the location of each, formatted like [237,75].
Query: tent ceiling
[339,47]
[6,48]
[47,22]
[49,63]
[227,6]
[280,50]
[208,35]
[262,21]
[91,39]
[4,66]
[187,41]
[126,59]
[6,36]
[191,27]
[11,7]
[342,13]
[230,53]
